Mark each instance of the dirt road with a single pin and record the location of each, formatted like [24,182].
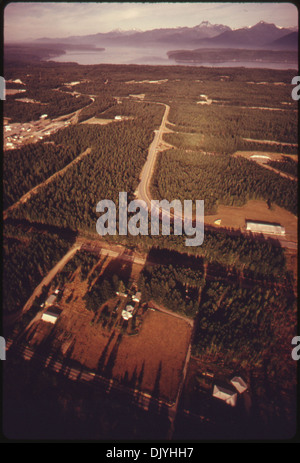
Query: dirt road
[46,280]
[34,190]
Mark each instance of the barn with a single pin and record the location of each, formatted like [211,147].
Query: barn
[265,228]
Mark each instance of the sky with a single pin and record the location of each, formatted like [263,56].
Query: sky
[28,20]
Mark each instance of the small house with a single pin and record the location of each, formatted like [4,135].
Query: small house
[229,397]
[239,384]
[127,313]
[137,297]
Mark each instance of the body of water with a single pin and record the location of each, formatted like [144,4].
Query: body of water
[152,56]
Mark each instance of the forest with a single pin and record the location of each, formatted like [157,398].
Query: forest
[119,151]
[53,103]
[175,287]
[247,328]
[224,127]
[99,289]
[83,262]
[26,167]
[219,179]
[240,322]
[286,165]
[27,259]
[236,288]
[100,105]
[219,55]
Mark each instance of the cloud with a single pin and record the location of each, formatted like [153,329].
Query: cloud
[34,20]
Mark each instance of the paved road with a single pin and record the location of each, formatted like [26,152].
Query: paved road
[143,191]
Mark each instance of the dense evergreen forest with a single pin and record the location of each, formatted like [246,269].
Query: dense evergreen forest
[50,102]
[175,287]
[222,128]
[219,179]
[26,167]
[235,322]
[235,287]
[118,154]
[241,322]
[27,259]
[286,165]
[100,105]
[119,149]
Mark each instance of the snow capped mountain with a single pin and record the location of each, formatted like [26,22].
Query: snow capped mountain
[204,34]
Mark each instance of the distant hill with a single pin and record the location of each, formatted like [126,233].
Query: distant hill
[221,55]
[180,35]
[288,42]
[261,35]
[22,52]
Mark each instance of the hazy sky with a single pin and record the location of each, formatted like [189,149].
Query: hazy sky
[34,20]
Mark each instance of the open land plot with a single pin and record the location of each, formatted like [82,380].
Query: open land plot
[151,360]
[96,120]
[235,217]
[156,355]
[262,157]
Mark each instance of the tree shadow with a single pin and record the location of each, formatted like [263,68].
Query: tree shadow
[104,353]
[154,406]
[113,355]
[141,376]
[121,266]
[170,257]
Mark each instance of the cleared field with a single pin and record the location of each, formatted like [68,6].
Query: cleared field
[95,120]
[267,154]
[234,217]
[156,355]
[150,360]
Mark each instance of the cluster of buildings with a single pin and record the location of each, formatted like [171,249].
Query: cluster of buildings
[52,313]
[18,133]
[230,396]
[127,313]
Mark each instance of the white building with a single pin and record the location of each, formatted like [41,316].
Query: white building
[127,313]
[239,384]
[137,297]
[226,395]
[50,301]
[265,227]
[51,315]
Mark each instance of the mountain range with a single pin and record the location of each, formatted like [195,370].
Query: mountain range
[260,36]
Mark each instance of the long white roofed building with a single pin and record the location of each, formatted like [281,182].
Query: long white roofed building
[265,228]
